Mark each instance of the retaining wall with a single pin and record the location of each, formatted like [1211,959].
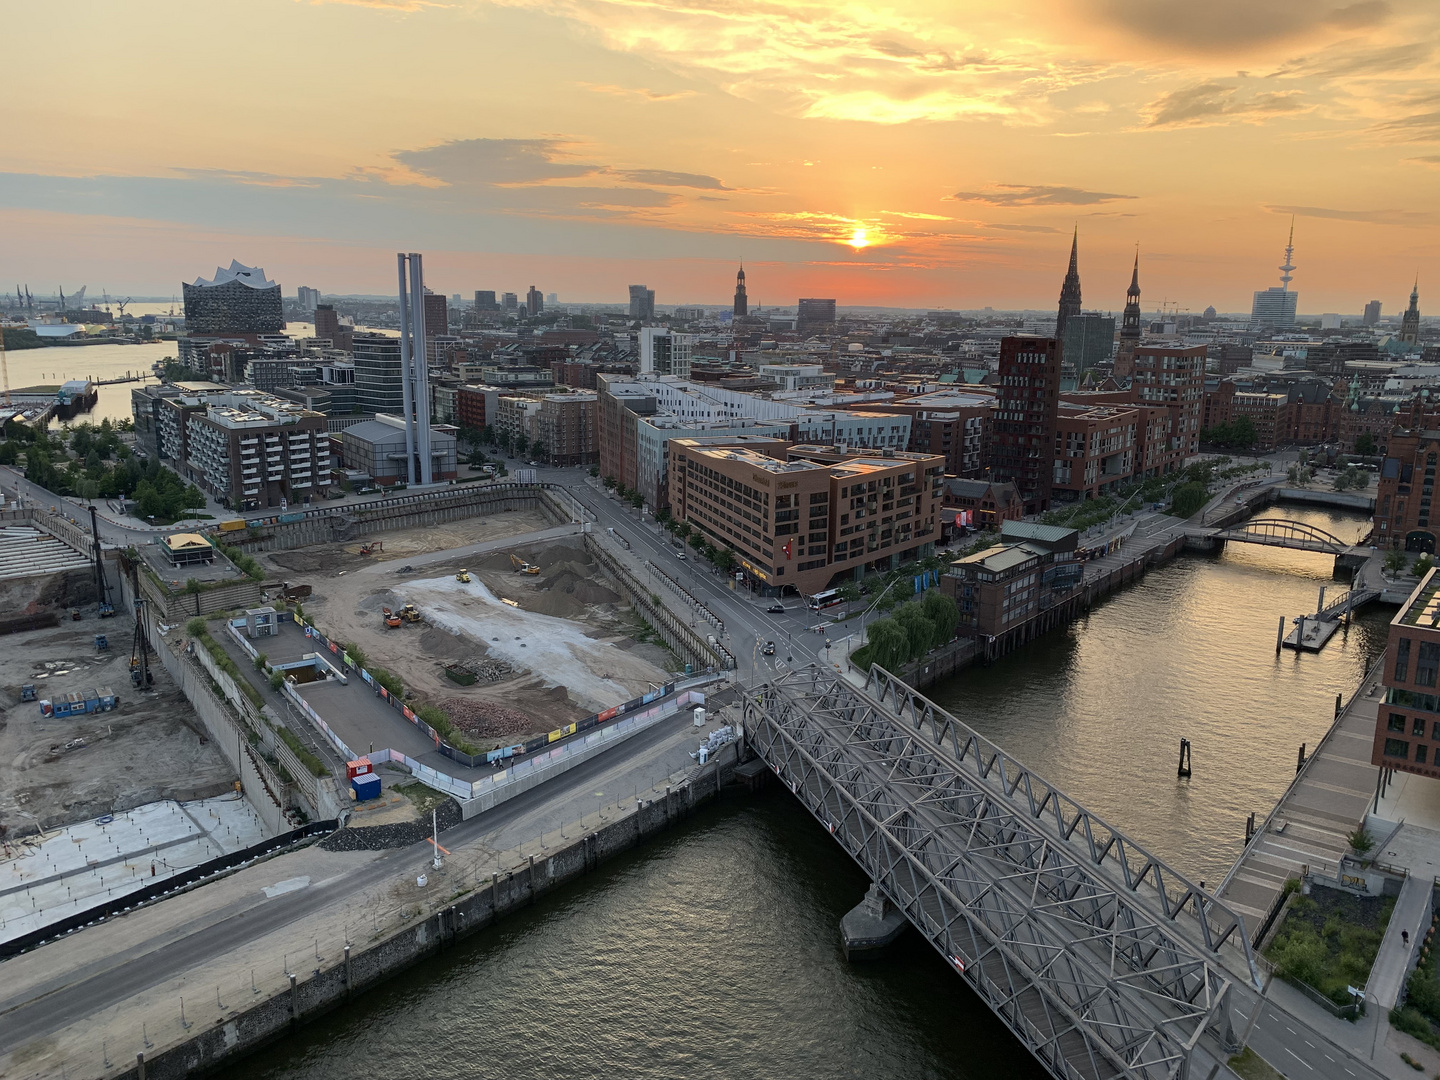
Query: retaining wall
[363,966]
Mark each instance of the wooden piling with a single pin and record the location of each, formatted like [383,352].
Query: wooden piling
[1184,767]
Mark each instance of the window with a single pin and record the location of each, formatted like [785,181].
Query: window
[1420,754]
[1397,722]
[1427,663]
[1418,728]
[1397,748]
[1435,732]
[1402,660]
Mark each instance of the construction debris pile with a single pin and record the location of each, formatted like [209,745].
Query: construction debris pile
[489,670]
[485,719]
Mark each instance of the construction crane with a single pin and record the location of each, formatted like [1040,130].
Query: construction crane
[121,305]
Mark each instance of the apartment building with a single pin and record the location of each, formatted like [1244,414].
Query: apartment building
[1404,500]
[1023,441]
[1173,377]
[248,449]
[827,513]
[1005,592]
[952,423]
[566,427]
[1407,725]
[1095,449]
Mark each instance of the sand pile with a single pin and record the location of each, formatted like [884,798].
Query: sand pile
[485,719]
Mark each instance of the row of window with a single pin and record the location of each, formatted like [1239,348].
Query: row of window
[1399,748]
[1427,662]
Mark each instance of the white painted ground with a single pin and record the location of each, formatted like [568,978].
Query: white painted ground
[43,881]
[597,674]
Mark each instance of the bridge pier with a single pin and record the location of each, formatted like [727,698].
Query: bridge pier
[869,928]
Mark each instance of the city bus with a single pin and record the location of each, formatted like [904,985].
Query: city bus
[822,600]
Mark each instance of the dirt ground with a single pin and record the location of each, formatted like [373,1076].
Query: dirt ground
[568,588]
[151,747]
[407,542]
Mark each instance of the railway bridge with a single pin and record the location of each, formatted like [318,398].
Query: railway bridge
[1103,960]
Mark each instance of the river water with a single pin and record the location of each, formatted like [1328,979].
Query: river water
[713,951]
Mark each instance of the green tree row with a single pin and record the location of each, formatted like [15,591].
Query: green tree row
[909,632]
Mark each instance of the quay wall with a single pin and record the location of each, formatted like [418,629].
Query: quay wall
[367,964]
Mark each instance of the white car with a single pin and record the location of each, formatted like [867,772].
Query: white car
[679,555]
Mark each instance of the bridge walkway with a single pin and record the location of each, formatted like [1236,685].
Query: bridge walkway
[1101,959]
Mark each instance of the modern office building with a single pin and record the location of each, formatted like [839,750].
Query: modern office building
[1372,313]
[237,300]
[485,300]
[1069,290]
[642,303]
[1407,724]
[509,302]
[379,382]
[1089,340]
[827,513]
[812,313]
[534,302]
[1022,445]
[307,298]
[328,327]
[437,315]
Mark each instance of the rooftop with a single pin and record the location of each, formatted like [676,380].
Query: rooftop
[253,276]
[1423,607]
[1000,558]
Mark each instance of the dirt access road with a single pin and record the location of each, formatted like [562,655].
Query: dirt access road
[541,695]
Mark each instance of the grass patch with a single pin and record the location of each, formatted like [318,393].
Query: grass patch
[1329,940]
[200,631]
[1249,1065]
[309,760]
[424,798]
[1420,1016]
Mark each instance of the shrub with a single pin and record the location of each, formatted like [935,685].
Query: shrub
[1189,498]
[390,681]
[309,760]
[260,661]
[440,721]
[1361,840]
[196,627]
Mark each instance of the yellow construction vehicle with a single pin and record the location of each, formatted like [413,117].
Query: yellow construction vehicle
[524,567]
[409,614]
[463,576]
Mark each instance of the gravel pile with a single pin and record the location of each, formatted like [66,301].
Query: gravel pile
[490,670]
[485,719]
[398,835]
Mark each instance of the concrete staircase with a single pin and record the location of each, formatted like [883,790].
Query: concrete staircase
[25,552]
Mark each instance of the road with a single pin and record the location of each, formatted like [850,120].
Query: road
[108,980]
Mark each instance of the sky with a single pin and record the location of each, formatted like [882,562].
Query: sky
[928,153]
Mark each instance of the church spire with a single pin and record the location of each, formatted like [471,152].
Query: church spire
[742,301]
[1070,290]
[1410,321]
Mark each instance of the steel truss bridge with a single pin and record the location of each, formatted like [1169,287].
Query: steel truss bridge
[1103,961]
[1277,532]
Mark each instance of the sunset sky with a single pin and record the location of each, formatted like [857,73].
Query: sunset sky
[926,153]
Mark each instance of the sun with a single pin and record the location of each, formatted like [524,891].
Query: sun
[858,239]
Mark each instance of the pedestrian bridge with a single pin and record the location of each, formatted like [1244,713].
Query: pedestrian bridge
[1104,961]
[1277,532]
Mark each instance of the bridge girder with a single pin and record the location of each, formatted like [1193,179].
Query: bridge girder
[1279,532]
[1012,881]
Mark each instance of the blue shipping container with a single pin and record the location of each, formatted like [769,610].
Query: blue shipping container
[366,786]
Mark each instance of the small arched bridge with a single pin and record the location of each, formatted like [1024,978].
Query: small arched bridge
[1277,532]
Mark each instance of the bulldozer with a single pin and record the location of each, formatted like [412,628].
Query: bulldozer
[463,576]
[391,619]
[523,567]
[409,614]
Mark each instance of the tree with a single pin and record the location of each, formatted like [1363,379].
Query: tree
[522,443]
[539,449]
[850,591]
[637,500]
[1422,566]
[1243,434]
[943,614]
[1395,561]
[1189,498]
[594,471]
[609,482]
[725,560]
[889,644]
[684,529]
[1365,444]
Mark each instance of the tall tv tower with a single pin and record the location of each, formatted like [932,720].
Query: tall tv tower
[1285,278]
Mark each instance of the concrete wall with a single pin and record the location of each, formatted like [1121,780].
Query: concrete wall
[370,964]
[343,524]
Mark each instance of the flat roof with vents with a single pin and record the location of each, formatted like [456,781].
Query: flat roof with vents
[1423,607]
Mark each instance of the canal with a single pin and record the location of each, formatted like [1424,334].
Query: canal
[714,952]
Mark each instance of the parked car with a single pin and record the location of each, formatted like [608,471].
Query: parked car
[776,609]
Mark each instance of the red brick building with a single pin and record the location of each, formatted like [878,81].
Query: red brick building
[1407,725]
[1022,445]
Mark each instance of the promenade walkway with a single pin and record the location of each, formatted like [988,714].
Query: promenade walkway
[1310,824]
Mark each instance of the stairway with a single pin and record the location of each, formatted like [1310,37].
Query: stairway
[25,552]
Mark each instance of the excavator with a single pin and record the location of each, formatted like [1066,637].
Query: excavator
[524,567]
[372,548]
[391,619]
[463,576]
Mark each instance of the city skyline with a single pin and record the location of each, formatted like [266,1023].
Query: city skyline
[918,156]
